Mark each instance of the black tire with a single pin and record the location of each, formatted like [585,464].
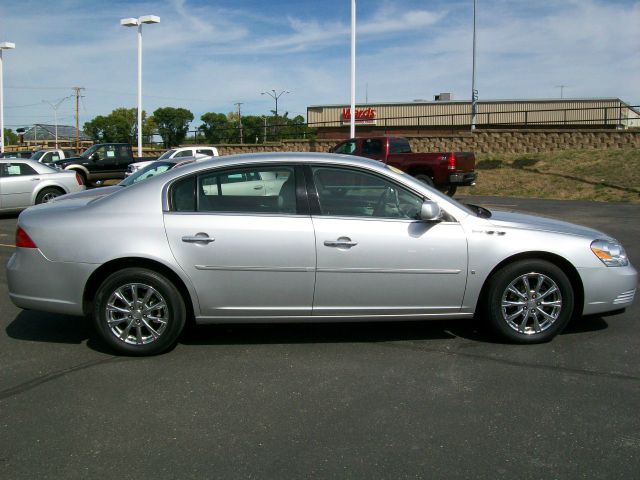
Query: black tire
[139,332]
[427,180]
[47,194]
[424,178]
[545,311]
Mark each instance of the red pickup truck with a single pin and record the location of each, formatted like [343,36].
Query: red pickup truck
[445,171]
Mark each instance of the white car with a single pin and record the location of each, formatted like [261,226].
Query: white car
[27,182]
[198,152]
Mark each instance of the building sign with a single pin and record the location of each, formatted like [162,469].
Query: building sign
[364,116]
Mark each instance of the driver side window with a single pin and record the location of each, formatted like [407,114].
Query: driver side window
[352,193]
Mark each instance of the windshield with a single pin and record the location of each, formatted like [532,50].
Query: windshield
[166,154]
[38,155]
[149,171]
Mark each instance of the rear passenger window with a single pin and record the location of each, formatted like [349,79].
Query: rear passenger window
[16,169]
[183,196]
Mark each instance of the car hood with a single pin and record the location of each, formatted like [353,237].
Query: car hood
[500,218]
[63,161]
[89,194]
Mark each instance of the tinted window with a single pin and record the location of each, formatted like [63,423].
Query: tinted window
[16,169]
[184,153]
[352,193]
[205,152]
[371,147]
[183,195]
[348,148]
[399,145]
[264,190]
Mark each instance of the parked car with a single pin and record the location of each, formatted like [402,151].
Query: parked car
[154,168]
[26,182]
[20,154]
[52,155]
[100,162]
[444,170]
[342,238]
[200,153]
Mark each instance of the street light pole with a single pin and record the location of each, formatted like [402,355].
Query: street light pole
[474,93]
[55,113]
[273,94]
[352,123]
[137,22]
[3,46]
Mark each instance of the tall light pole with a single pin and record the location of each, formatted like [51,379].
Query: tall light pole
[55,113]
[273,94]
[474,93]
[3,46]
[352,122]
[137,22]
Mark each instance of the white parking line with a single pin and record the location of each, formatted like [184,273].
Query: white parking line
[5,245]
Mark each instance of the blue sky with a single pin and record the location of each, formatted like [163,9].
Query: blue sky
[207,55]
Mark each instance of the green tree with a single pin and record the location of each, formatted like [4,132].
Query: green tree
[216,127]
[172,124]
[10,138]
[121,125]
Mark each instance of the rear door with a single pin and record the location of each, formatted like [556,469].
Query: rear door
[17,182]
[249,255]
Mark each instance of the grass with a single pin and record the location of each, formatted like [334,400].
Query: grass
[599,175]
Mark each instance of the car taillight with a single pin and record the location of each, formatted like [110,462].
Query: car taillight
[23,240]
[451,161]
[79,179]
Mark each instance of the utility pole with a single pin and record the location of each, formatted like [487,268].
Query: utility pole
[78,96]
[239,120]
[562,87]
[474,92]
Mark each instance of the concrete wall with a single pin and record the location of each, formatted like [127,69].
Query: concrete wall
[487,141]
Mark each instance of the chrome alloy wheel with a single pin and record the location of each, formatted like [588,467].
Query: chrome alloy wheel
[531,303]
[137,314]
[49,196]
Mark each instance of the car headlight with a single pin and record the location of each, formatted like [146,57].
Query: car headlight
[612,254]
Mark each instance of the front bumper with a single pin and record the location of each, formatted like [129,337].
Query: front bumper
[36,283]
[607,289]
[464,179]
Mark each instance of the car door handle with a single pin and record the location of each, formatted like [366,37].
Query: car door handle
[343,242]
[198,238]
[258,187]
[35,179]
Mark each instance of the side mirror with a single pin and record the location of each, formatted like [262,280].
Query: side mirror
[430,211]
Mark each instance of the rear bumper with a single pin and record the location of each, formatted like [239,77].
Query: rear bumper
[36,283]
[464,179]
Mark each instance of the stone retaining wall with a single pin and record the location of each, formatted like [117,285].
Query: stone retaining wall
[482,141]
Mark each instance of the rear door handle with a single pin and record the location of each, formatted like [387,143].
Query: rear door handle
[35,179]
[200,237]
[342,242]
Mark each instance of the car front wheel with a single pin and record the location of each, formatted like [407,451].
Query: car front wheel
[529,301]
[139,312]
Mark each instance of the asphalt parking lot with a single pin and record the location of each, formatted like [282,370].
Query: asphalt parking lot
[440,399]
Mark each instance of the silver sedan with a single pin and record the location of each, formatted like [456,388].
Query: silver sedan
[26,182]
[305,237]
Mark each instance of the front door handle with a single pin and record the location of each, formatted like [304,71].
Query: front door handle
[342,242]
[200,237]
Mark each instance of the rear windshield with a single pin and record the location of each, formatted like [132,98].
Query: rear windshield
[399,145]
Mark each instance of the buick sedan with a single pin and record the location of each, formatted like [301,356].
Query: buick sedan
[305,237]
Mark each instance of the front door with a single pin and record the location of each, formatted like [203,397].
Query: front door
[375,258]
[248,254]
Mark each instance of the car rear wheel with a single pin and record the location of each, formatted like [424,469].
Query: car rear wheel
[48,194]
[529,301]
[139,312]
[427,180]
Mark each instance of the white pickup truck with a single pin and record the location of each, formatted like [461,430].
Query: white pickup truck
[51,155]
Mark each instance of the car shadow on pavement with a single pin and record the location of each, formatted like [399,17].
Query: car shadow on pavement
[55,328]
